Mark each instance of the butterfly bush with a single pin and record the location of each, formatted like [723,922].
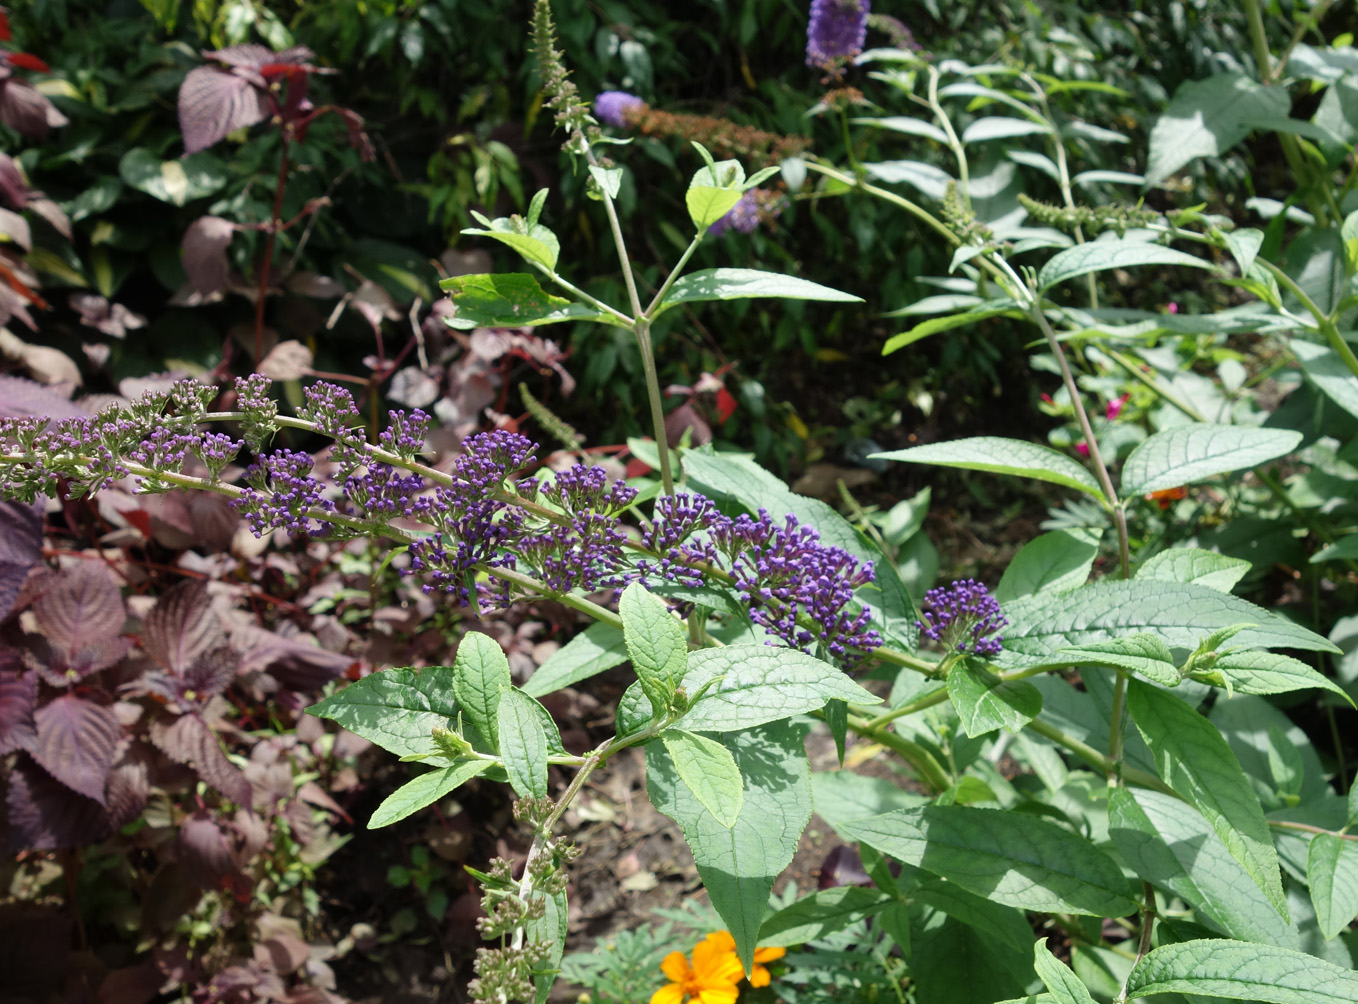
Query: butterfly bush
[963,617]
[488,532]
[836,32]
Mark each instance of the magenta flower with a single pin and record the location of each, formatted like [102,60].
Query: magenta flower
[1115,406]
[836,32]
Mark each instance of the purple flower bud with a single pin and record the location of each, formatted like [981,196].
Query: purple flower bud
[836,32]
[618,108]
[963,617]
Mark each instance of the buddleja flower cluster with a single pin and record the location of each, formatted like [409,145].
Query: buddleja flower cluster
[963,617]
[466,530]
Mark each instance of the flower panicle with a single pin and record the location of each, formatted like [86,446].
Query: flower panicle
[835,33]
[572,113]
[963,618]
[720,135]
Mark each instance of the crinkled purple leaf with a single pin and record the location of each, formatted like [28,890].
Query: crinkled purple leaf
[18,694]
[129,785]
[76,742]
[83,610]
[13,189]
[297,665]
[20,548]
[182,626]
[214,102]
[46,815]
[188,740]
[205,852]
[26,111]
[204,247]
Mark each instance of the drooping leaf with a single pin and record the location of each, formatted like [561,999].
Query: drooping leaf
[656,642]
[752,685]
[423,791]
[1332,874]
[1241,970]
[1193,759]
[738,865]
[76,742]
[524,743]
[1101,256]
[985,703]
[709,771]
[189,741]
[1065,986]
[480,677]
[1009,858]
[1053,562]
[1186,454]
[745,283]
[395,708]
[204,851]
[1194,565]
[204,253]
[1171,845]
[597,648]
[511,300]
[825,912]
[1001,456]
[1208,117]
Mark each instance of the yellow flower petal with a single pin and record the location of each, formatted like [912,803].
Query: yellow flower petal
[713,964]
[676,967]
[670,993]
[718,995]
[723,940]
[760,977]
[768,954]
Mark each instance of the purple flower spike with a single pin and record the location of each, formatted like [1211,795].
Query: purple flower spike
[836,32]
[963,617]
[618,108]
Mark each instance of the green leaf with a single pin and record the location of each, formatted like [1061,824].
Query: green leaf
[551,928]
[985,703]
[634,711]
[1188,453]
[746,283]
[1001,456]
[936,324]
[909,126]
[177,181]
[1171,845]
[1100,256]
[534,243]
[1053,562]
[842,795]
[395,708]
[511,300]
[713,192]
[1179,613]
[1137,653]
[608,178]
[1324,368]
[1002,127]
[657,643]
[424,790]
[1193,759]
[1241,970]
[1344,549]
[1192,564]
[1252,672]
[753,684]
[1244,245]
[523,743]
[1009,858]
[1064,985]
[1208,117]
[597,648]
[709,771]
[821,914]
[1332,874]
[480,674]
[739,864]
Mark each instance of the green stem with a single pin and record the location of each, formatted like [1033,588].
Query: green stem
[1094,758]
[1136,373]
[955,144]
[929,700]
[930,770]
[580,294]
[1115,727]
[675,272]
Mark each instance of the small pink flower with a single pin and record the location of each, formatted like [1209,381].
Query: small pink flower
[1115,406]
[1082,448]
[1171,308]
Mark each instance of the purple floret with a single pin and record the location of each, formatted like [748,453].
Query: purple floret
[836,32]
[618,108]
[963,617]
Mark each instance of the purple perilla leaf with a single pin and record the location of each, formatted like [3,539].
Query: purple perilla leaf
[205,852]
[76,743]
[82,610]
[204,247]
[18,694]
[182,626]
[188,740]
[214,102]
[46,815]
[20,548]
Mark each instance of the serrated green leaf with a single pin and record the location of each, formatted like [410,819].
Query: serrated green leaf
[424,790]
[523,743]
[597,648]
[1001,456]
[1009,858]
[842,795]
[511,300]
[753,684]
[985,703]
[634,710]
[1192,758]
[1053,562]
[1179,613]
[713,192]
[738,865]
[1100,256]
[395,708]
[1208,117]
[1138,653]
[1253,672]
[1064,985]
[747,283]
[1194,565]
[480,674]
[1186,454]
[1240,970]
[953,963]
[1169,844]
[1332,874]
[822,913]
[657,644]
[710,772]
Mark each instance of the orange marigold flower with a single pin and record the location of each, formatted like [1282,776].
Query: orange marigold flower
[760,976]
[711,979]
